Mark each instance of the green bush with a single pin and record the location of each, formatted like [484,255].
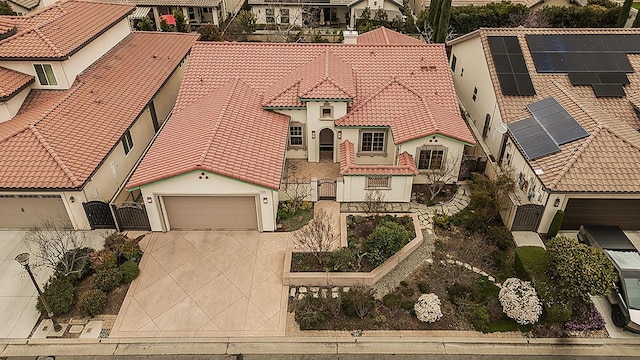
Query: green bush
[531,264]
[393,301]
[107,279]
[92,302]
[480,318]
[342,259]
[556,223]
[104,259]
[358,301]
[125,249]
[501,237]
[423,287]
[310,311]
[130,271]
[442,221]
[58,292]
[385,240]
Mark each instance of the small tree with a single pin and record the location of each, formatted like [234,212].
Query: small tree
[5,9]
[57,247]
[318,236]
[556,223]
[437,178]
[442,30]
[181,22]
[247,20]
[164,26]
[364,22]
[208,33]
[579,269]
[295,186]
[489,197]
[145,24]
[624,13]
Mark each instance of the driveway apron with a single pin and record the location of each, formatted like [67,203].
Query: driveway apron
[207,284]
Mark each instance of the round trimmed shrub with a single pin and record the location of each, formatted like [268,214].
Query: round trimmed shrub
[92,302]
[107,279]
[427,308]
[520,301]
[130,271]
[58,292]
[385,240]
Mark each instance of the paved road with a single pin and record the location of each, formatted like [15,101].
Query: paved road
[317,357]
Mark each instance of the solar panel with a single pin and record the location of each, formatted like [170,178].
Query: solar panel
[532,138]
[508,60]
[613,78]
[608,90]
[582,78]
[562,127]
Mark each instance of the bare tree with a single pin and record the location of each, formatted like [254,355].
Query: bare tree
[437,178]
[374,202]
[289,18]
[296,187]
[55,246]
[318,236]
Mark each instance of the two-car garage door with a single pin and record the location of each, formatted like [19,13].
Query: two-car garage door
[211,212]
[622,212]
[28,211]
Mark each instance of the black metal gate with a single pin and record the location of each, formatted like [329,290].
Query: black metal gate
[326,189]
[99,215]
[471,164]
[131,216]
[527,217]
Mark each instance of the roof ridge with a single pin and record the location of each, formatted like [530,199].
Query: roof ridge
[277,95]
[45,144]
[384,33]
[432,119]
[326,63]
[36,27]
[47,41]
[215,127]
[368,100]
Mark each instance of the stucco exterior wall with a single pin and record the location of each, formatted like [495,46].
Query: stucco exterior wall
[10,108]
[353,188]
[295,13]
[453,154]
[388,157]
[471,72]
[192,184]
[27,68]
[86,56]
[166,97]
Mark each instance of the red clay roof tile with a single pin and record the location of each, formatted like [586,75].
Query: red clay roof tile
[406,165]
[57,31]
[12,82]
[383,35]
[59,138]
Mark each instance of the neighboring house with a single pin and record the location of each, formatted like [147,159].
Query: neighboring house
[24,7]
[419,5]
[559,107]
[196,12]
[338,13]
[78,108]
[354,119]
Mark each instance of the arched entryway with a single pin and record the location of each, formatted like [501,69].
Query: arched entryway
[326,144]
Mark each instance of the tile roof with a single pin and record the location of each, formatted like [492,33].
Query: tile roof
[58,31]
[12,83]
[204,136]
[7,27]
[608,160]
[383,35]
[458,3]
[195,3]
[212,143]
[60,137]
[406,164]
[280,73]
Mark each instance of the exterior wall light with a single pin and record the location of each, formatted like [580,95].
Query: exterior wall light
[149,200]
[265,200]
[72,199]
[339,134]
[313,134]
[556,203]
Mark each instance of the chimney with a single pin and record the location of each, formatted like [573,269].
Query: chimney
[350,37]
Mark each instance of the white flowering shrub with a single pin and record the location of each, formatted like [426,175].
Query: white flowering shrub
[427,308]
[520,301]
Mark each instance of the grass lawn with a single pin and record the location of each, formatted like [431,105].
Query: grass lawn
[636,5]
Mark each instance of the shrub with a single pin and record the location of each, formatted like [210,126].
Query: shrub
[555,224]
[92,302]
[501,237]
[385,240]
[427,308]
[103,259]
[130,271]
[442,221]
[423,287]
[310,311]
[123,248]
[589,318]
[58,292]
[358,301]
[520,301]
[107,279]
[393,301]
[480,318]
[342,259]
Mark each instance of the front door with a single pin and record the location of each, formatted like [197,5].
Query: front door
[326,144]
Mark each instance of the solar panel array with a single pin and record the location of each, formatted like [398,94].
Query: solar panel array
[562,127]
[550,126]
[513,74]
[532,138]
[597,60]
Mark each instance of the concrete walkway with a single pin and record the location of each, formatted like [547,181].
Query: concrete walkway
[527,238]
[207,284]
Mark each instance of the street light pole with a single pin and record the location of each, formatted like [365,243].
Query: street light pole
[23,259]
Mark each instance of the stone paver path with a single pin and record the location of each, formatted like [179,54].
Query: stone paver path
[207,284]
